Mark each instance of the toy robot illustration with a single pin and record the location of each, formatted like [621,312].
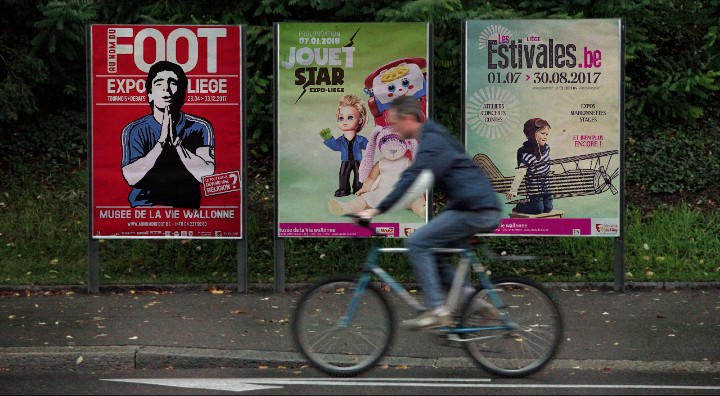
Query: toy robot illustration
[401,77]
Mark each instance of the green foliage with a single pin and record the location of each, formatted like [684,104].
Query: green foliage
[675,60]
[54,140]
[20,73]
[674,159]
[62,28]
[672,243]
[44,242]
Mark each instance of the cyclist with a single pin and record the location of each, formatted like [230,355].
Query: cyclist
[472,205]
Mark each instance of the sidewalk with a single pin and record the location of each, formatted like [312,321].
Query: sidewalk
[643,328]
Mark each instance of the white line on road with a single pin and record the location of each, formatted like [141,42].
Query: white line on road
[249,384]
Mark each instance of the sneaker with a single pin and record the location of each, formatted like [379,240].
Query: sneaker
[485,309]
[437,317]
[465,295]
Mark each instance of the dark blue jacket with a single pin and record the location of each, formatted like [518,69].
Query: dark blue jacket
[341,144]
[465,185]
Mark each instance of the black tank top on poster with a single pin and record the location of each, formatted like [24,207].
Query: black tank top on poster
[169,183]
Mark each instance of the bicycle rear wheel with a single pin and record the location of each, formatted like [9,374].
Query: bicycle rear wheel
[523,344]
[341,332]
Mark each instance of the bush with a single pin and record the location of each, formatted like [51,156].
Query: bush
[673,159]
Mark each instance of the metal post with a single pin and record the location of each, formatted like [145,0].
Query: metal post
[620,241]
[279,264]
[242,268]
[93,266]
[619,264]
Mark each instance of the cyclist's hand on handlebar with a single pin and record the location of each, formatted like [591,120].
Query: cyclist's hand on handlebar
[363,217]
[367,214]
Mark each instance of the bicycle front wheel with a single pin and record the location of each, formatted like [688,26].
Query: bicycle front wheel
[525,339]
[341,330]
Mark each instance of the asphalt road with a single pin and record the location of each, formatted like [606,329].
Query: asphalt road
[647,330]
[387,381]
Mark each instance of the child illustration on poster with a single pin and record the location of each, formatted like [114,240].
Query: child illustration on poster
[320,67]
[533,161]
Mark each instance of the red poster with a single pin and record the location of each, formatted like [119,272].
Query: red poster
[166,131]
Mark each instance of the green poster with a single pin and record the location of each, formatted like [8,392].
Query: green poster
[543,117]
[335,151]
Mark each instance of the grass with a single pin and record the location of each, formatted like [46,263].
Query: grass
[43,241]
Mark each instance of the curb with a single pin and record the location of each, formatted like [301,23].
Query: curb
[144,357]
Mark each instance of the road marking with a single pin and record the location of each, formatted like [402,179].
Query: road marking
[252,384]
[220,384]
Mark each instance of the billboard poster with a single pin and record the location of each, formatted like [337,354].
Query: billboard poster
[335,153]
[542,103]
[165,131]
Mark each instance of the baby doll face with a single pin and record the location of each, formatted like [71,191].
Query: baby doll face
[541,136]
[348,119]
[391,147]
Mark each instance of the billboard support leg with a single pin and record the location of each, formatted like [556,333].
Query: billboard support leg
[93,266]
[242,267]
[619,264]
[279,265]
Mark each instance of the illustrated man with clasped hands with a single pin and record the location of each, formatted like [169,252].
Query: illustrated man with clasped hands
[166,153]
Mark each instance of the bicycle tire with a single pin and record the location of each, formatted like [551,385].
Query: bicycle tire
[342,351]
[528,347]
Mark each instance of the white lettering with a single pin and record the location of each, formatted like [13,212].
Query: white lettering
[167,49]
[148,33]
[188,35]
[212,35]
[207,85]
[121,85]
[306,56]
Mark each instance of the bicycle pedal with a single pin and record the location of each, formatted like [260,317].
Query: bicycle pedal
[447,339]
[453,337]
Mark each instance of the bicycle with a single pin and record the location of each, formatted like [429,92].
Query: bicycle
[343,325]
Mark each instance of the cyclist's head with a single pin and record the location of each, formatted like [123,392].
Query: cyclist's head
[406,105]
[405,117]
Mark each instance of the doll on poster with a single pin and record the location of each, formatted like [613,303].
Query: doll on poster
[351,117]
[383,175]
[533,161]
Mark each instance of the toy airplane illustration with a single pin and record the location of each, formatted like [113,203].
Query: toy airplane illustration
[586,174]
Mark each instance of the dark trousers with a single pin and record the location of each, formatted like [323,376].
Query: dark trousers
[537,205]
[346,168]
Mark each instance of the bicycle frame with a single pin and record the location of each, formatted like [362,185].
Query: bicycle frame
[468,260]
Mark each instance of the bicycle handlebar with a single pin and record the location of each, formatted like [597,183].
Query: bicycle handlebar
[359,220]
